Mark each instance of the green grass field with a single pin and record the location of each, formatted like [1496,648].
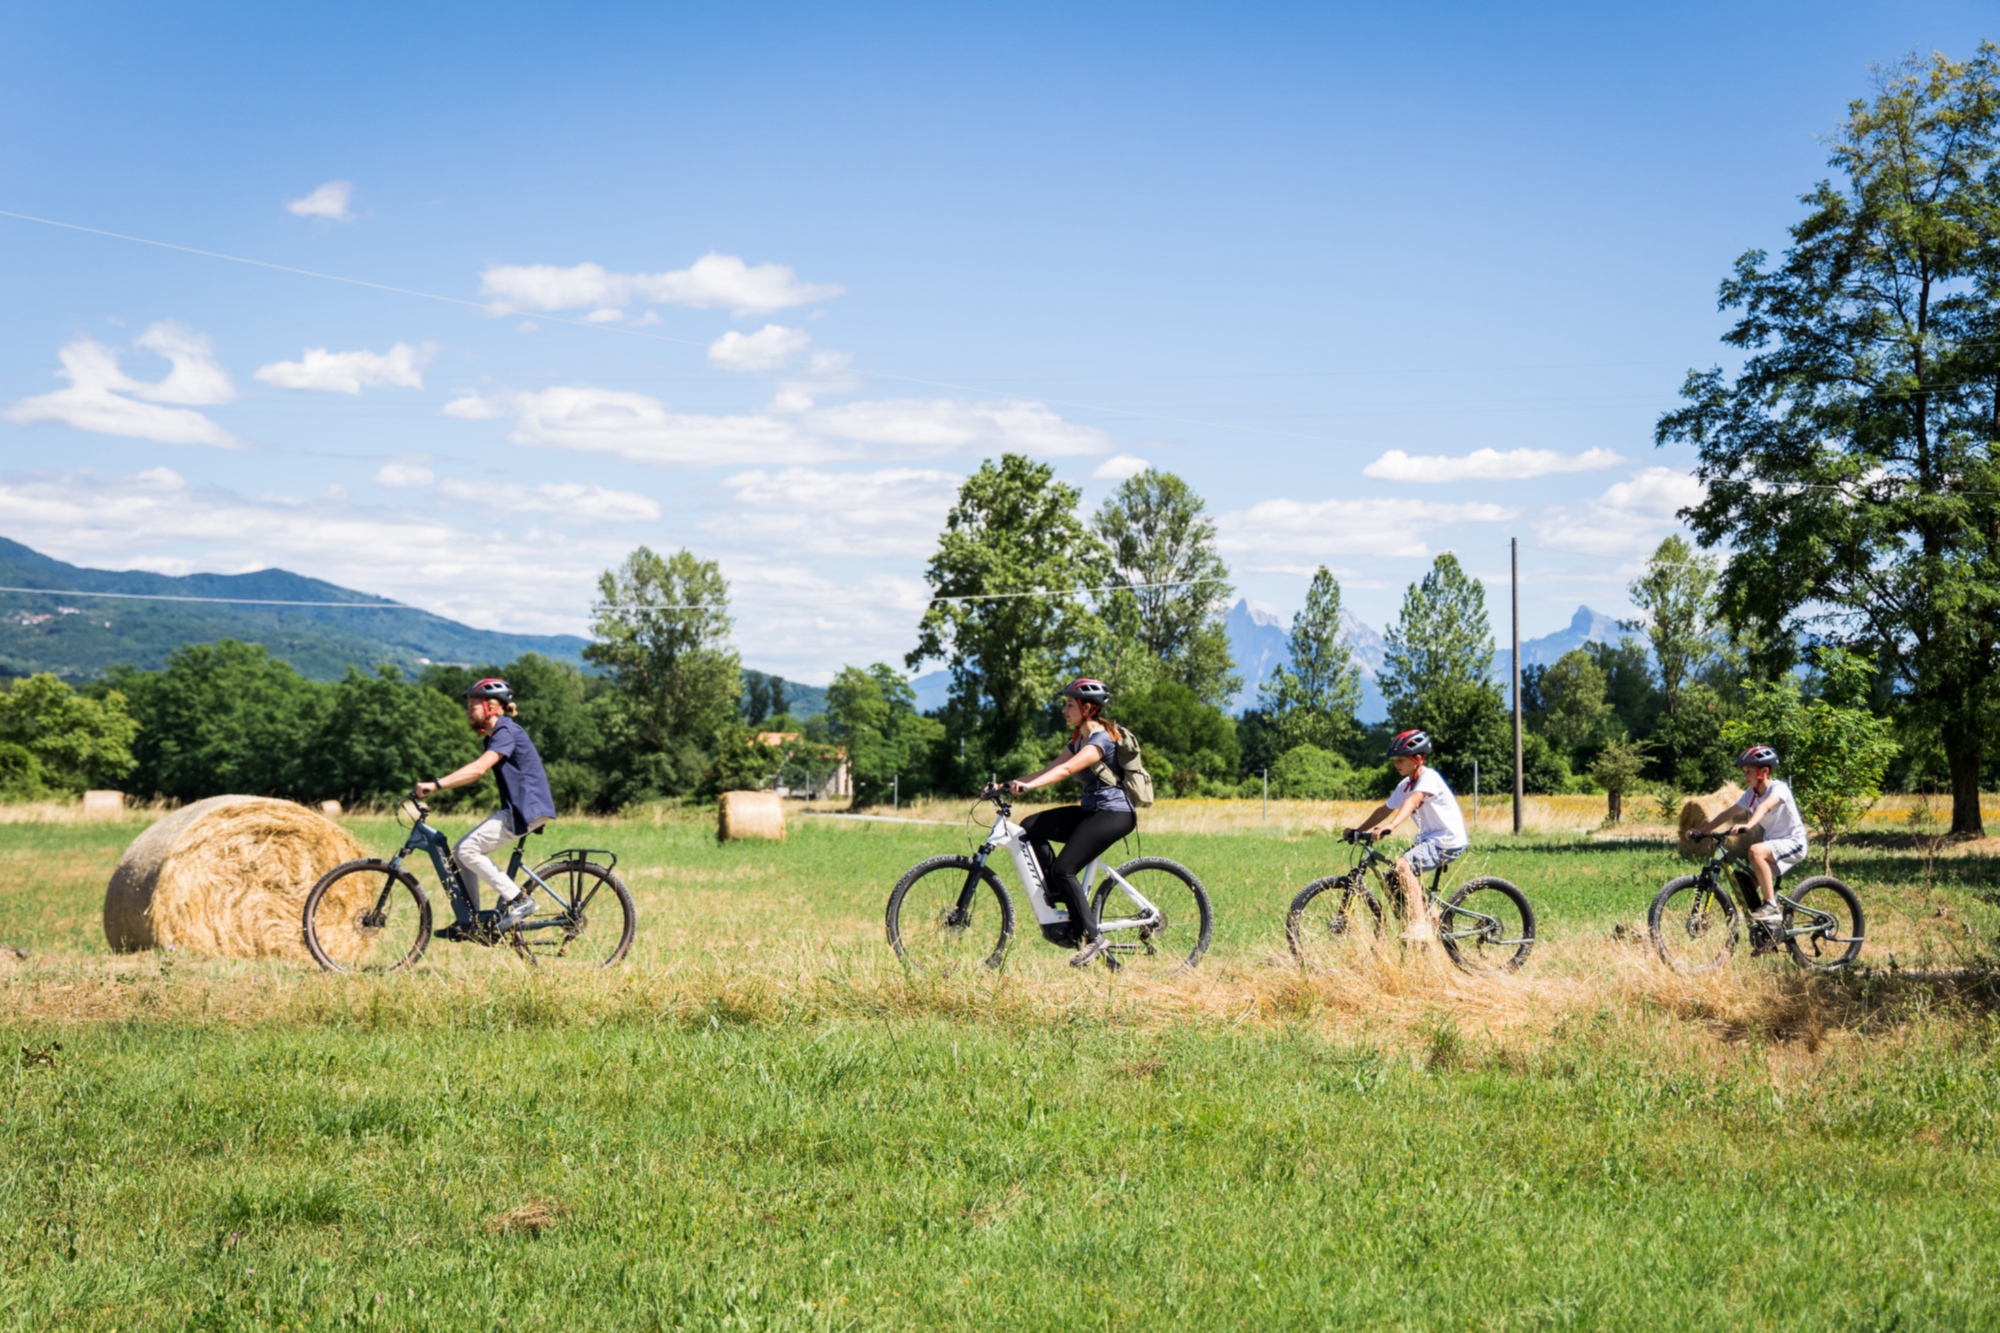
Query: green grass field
[758,1122]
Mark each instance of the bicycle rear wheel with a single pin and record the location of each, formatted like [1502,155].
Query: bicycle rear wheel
[1334,924]
[1694,926]
[1487,926]
[950,916]
[586,917]
[367,916]
[1821,945]
[1156,923]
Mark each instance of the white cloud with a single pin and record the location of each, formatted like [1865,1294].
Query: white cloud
[1349,527]
[403,475]
[328,201]
[1486,465]
[715,281]
[472,407]
[103,399]
[945,424]
[567,499]
[894,512]
[1119,467]
[769,348]
[348,372]
[1628,519]
[826,373]
[642,428]
[541,579]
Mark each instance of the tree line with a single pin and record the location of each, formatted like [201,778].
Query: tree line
[1849,466]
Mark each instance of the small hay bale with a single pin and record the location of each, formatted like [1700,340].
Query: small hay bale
[533,1218]
[1700,809]
[331,809]
[749,814]
[103,804]
[225,876]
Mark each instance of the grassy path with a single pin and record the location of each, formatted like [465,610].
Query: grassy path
[760,1125]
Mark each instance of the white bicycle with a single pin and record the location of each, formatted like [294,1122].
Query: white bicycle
[951,914]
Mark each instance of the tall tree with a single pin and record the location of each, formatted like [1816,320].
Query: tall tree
[222,717]
[1313,697]
[1851,461]
[1678,594]
[70,741]
[1438,671]
[872,714]
[1573,708]
[1009,621]
[1171,588]
[662,632]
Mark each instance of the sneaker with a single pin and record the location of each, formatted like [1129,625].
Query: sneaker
[1089,953]
[1768,915]
[513,911]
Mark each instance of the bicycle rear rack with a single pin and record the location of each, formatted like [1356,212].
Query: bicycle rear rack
[596,856]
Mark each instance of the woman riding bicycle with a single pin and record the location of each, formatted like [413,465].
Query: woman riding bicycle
[1088,829]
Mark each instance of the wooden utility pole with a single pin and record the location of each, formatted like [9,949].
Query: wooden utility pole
[1514,545]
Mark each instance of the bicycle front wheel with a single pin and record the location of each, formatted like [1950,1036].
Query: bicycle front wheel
[1487,926]
[1694,925]
[1828,934]
[585,918]
[367,916]
[950,916]
[1334,924]
[1155,917]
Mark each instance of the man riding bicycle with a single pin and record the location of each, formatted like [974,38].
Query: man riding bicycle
[1771,804]
[1425,797]
[526,804]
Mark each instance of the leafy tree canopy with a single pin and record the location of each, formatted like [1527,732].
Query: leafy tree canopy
[69,741]
[1437,672]
[1164,617]
[1011,541]
[1312,698]
[1850,463]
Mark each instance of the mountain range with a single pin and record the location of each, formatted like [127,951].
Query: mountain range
[78,636]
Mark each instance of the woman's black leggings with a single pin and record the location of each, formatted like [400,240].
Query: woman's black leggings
[1085,836]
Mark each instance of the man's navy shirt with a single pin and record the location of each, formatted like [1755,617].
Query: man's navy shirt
[524,784]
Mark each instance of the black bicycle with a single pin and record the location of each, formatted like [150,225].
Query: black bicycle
[374,916]
[1694,920]
[1486,925]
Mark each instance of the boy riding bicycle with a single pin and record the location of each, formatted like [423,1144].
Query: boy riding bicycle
[526,804]
[1426,798]
[1770,803]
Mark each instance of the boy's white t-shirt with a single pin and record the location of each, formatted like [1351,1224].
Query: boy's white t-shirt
[1438,817]
[1783,822]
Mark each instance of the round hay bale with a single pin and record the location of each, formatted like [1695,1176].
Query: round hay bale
[225,876]
[1700,809]
[749,814]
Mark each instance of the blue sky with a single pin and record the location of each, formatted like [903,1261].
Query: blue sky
[766,281]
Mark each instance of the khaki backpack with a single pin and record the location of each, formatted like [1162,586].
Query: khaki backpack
[1130,776]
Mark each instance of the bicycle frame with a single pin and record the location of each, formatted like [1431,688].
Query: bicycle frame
[464,895]
[1010,837]
[1739,872]
[1482,923]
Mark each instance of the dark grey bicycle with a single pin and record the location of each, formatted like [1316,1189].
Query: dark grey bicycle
[374,916]
[1486,925]
[1694,919]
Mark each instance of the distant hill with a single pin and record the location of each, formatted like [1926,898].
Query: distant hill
[1586,626]
[78,637]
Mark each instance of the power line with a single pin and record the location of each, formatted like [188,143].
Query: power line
[403,606]
[627,332]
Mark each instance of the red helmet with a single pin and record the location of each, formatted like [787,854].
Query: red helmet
[1086,690]
[1410,743]
[490,688]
